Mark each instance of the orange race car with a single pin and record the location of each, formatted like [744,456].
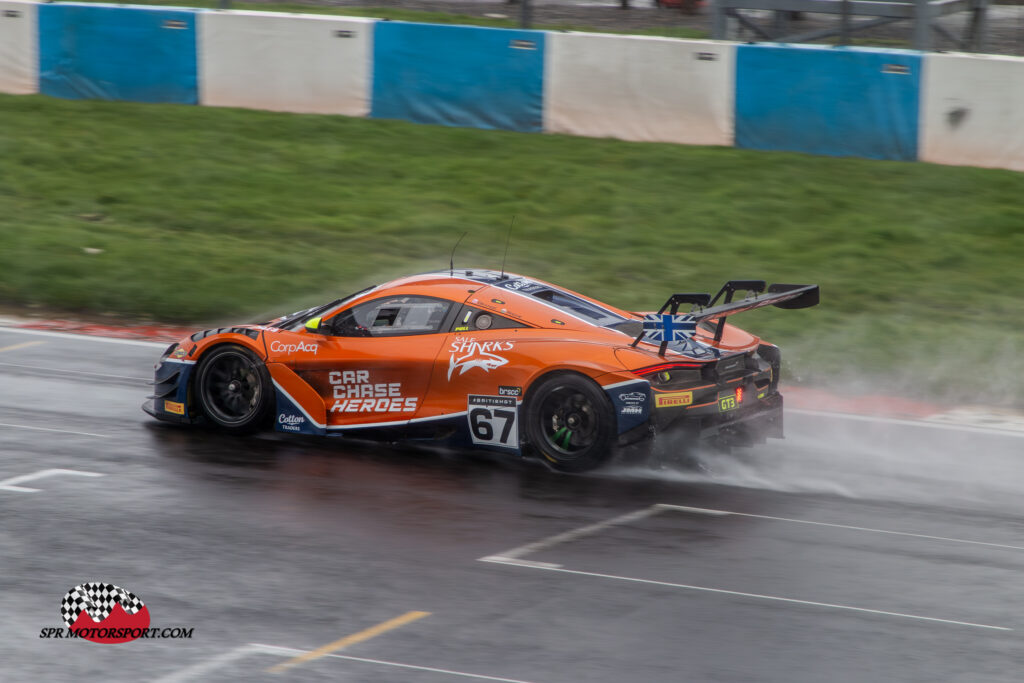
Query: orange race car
[477,358]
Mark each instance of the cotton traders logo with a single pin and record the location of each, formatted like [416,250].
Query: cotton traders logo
[469,353]
[104,613]
[292,423]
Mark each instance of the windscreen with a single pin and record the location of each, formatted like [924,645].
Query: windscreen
[298,318]
[562,300]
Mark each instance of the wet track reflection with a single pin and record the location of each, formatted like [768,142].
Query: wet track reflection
[849,552]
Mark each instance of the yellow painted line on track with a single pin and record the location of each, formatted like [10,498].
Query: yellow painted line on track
[342,643]
[22,345]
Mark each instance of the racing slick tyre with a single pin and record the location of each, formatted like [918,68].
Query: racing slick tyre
[234,389]
[570,422]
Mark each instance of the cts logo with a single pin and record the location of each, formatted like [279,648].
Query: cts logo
[104,613]
[469,353]
[279,347]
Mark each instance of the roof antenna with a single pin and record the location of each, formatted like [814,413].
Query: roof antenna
[507,238]
[451,261]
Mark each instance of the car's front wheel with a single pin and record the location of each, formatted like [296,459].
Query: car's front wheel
[570,422]
[234,389]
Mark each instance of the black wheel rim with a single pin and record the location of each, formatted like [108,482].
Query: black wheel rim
[231,388]
[569,422]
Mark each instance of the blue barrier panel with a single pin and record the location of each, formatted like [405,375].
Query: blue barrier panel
[458,75]
[143,54]
[825,100]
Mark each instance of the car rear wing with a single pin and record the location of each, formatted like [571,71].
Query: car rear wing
[758,295]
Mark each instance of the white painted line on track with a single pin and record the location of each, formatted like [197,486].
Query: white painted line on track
[518,553]
[12,483]
[199,671]
[757,596]
[84,337]
[515,555]
[909,423]
[49,429]
[724,513]
[75,372]
[571,535]
[450,672]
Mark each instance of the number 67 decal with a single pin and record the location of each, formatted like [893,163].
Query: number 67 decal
[493,421]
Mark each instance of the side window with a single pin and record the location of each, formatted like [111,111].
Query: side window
[473,319]
[392,317]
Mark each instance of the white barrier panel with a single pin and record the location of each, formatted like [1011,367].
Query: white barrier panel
[19,47]
[972,111]
[285,62]
[639,88]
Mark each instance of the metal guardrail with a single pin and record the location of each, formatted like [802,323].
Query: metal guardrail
[922,13]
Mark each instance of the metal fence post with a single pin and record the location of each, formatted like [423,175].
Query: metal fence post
[922,25]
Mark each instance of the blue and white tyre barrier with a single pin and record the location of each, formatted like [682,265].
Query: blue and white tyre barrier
[859,102]
[118,52]
[19,48]
[286,62]
[972,110]
[639,88]
[459,75]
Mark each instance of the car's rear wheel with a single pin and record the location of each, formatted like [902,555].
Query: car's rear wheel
[570,422]
[234,389]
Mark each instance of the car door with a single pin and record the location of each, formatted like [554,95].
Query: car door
[375,367]
[479,374]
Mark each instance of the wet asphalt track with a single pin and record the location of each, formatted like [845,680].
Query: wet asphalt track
[271,547]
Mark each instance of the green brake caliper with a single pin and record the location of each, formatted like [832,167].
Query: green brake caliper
[565,434]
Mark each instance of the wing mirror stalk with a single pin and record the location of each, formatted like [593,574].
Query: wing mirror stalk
[316,326]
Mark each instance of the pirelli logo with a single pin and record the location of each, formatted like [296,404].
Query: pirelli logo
[673,399]
[174,407]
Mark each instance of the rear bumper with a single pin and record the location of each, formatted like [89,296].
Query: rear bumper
[747,424]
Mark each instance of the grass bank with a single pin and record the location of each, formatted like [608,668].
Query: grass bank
[206,214]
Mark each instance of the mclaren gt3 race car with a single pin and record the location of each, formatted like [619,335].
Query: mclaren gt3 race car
[480,359]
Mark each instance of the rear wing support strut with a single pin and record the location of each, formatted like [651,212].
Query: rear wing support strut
[730,288]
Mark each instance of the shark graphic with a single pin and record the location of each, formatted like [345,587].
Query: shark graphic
[474,359]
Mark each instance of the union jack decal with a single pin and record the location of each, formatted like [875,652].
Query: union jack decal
[665,327]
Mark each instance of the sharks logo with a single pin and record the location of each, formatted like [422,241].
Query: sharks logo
[467,354]
[483,360]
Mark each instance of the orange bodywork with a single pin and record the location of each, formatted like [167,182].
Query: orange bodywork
[410,377]
[344,382]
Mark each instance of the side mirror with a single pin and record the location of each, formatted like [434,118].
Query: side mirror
[316,326]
